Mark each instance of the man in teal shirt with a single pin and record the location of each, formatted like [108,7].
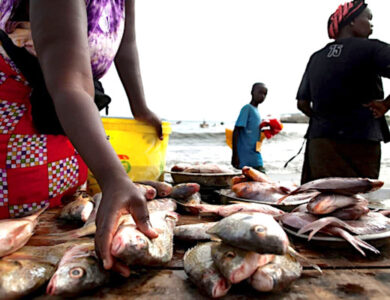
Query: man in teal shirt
[246,132]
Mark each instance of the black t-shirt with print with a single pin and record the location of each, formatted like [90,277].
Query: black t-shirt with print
[338,80]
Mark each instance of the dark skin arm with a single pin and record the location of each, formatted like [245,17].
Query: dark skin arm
[305,107]
[59,30]
[127,65]
[235,158]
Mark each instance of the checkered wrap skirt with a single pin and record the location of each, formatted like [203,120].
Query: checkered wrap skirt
[35,169]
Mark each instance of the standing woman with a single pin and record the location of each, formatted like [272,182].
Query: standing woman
[341,91]
[75,42]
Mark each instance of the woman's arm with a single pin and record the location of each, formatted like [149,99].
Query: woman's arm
[305,107]
[59,30]
[127,65]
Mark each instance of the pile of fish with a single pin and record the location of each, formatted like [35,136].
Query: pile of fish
[251,246]
[203,168]
[72,267]
[256,186]
[338,208]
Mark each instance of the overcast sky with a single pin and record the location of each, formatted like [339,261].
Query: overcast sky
[199,58]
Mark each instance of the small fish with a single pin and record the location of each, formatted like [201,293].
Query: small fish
[239,179]
[148,191]
[78,210]
[236,264]
[256,232]
[207,168]
[202,271]
[326,203]
[180,167]
[255,175]
[261,191]
[276,275]
[354,212]
[304,222]
[163,189]
[78,271]
[193,232]
[183,191]
[28,269]
[340,185]
[227,210]
[15,233]
[134,248]
[167,204]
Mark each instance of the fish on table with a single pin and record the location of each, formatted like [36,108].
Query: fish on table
[79,271]
[302,221]
[163,189]
[339,185]
[147,191]
[193,232]
[236,264]
[277,274]
[183,191]
[256,232]
[260,191]
[229,209]
[203,168]
[326,203]
[28,269]
[78,210]
[134,248]
[202,271]
[15,233]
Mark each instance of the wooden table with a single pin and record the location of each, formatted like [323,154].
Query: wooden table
[346,274]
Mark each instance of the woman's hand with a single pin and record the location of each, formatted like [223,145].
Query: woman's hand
[150,117]
[378,108]
[119,199]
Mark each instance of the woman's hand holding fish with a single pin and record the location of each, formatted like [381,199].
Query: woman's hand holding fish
[119,199]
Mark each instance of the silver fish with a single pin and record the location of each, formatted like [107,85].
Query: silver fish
[15,233]
[26,270]
[78,210]
[339,185]
[193,232]
[326,203]
[227,210]
[201,270]
[277,275]
[134,248]
[236,264]
[78,271]
[302,221]
[256,232]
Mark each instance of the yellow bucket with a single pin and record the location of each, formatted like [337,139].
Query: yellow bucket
[141,152]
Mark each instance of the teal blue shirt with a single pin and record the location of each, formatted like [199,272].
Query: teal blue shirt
[249,119]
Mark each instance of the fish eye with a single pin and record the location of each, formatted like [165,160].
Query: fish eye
[259,229]
[230,254]
[76,272]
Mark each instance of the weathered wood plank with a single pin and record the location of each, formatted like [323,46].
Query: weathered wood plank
[325,257]
[167,284]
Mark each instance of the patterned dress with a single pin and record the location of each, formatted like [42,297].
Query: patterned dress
[39,169]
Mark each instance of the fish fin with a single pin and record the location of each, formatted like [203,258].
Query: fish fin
[323,222]
[355,241]
[298,256]
[281,199]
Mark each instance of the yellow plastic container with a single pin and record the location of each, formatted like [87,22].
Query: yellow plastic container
[141,152]
[229,139]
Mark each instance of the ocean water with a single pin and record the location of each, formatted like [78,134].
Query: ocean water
[191,143]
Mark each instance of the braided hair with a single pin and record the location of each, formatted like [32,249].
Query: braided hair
[344,15]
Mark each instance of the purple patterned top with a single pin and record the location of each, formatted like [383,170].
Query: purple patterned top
[105,29]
